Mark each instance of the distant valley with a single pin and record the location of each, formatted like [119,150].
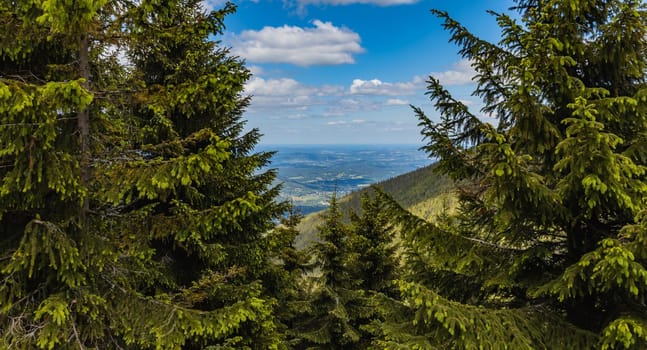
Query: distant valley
[310,174]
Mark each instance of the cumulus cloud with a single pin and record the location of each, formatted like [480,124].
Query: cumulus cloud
[343,122]
[287,98]
[273,87]
[256,70]
[292,96]
[396,102]
[286,92]
[323,44]
[377,87]
[461,73]
[258,86]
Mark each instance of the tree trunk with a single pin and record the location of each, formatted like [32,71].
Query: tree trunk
[83,122]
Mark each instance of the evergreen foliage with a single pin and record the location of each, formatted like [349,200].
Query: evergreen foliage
[54,265]
[357,264]
[371,249]
[373,262]
[548,248]
[287,279]
[134,213]
[132,210]
[333,301]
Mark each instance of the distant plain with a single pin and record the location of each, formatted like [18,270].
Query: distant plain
[310,174]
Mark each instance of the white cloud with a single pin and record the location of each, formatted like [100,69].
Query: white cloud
[256,70]
[343,122]
[396,102]
[323,44]
[287,98]
[288,87]
[346,105]
[377,87]
[460,74]
[278,93]
[275,87]
[287,93]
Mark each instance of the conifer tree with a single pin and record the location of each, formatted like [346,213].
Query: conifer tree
[132,210]
[53,262]
[287,277]
[190,183]
[548,247]
[372,251]
[333,301]
[372,262]
[357,264]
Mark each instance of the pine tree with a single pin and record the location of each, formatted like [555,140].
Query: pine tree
[548,248]
[132,210]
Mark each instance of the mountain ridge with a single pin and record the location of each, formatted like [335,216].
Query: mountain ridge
[423,191]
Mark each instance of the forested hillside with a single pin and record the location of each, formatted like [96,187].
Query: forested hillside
[424,192]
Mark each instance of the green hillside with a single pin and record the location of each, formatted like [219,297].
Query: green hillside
[423,191]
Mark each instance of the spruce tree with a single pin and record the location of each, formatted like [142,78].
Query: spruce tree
[54,263]
[190,183]
[372,262]
[333,301]
[548,248]
[355,266]
[372,250]
[286,278]
[132,210]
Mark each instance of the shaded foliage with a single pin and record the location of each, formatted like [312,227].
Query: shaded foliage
[133,210]
[356,265]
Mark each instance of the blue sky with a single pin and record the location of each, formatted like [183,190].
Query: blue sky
[345,71]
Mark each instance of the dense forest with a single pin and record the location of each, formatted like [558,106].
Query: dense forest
[136,214]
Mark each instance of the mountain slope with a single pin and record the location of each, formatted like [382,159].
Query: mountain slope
[424,192]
